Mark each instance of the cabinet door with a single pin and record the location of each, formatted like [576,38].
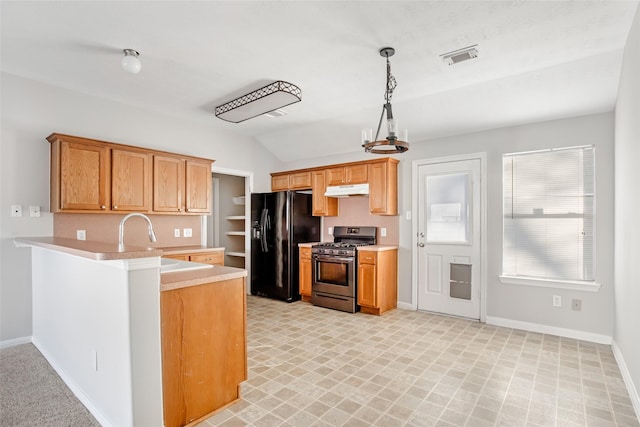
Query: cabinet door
[213,258]
[367,289]
[336,176]
[356,174]
[279,182]
[168,184]
[198,186]
[383,188]
[84,176]
[305,271]
[300,181]
[203,349]
[130,181]
[322,206]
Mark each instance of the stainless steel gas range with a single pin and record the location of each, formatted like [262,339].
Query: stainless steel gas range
[334,268]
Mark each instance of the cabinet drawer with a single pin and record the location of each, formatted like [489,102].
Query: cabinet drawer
[216,258]
[367,257]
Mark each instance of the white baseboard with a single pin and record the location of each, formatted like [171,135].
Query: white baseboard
[75,388]
[14,342]
[628,381]
[406,306]
[551,330]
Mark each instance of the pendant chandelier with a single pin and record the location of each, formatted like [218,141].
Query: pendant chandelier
[393,144]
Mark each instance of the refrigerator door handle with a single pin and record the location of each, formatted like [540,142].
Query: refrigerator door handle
[263,229]
[287,218]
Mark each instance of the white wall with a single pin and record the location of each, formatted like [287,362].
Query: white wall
[627,206]
[513,302]
[30,112]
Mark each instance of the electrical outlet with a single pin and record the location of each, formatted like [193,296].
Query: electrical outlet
[186,232]
[176,232]
[407,215]
[81,234]
[576,304]
[557,301]
[330,231]
[34,211]
[16,210]
[383,232]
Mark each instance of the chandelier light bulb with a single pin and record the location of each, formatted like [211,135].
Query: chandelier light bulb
[130,63]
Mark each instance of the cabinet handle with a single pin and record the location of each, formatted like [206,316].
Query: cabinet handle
[179,209]
[103,207]
[115,207]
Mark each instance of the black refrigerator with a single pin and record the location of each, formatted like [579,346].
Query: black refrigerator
[279,221]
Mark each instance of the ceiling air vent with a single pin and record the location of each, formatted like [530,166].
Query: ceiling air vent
[460,55]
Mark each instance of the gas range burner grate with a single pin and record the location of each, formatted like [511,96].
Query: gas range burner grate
[339,245]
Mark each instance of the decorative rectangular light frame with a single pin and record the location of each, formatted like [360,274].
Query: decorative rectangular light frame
[268,98]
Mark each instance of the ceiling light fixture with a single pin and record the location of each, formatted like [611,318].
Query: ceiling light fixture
[264,100]
[392,144]
[130,63]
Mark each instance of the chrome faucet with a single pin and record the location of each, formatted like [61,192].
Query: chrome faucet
[152,235]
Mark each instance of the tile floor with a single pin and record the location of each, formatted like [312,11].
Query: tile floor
[311,366]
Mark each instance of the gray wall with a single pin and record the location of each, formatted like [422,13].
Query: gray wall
[30,112]
[514,302]
[627,229]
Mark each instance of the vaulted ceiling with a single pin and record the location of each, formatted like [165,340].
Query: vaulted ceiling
[538,60]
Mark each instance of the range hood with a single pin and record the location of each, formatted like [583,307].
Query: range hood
[347,190]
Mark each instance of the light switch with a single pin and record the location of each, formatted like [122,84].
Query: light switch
[81,234]
[186,232]
[16,210]
[34,211]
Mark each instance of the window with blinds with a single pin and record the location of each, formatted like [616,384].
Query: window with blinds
[549,214]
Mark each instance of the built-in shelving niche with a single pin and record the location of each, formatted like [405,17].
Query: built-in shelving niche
[228,219]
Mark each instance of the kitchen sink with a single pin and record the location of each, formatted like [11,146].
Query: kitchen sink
[169,265]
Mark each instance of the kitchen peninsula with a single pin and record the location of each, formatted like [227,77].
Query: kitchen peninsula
[126,338]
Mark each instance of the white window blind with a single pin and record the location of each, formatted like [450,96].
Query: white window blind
[549,207]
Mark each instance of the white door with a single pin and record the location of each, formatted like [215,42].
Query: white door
[449,238]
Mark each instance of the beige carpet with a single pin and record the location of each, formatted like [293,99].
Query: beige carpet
[32,394]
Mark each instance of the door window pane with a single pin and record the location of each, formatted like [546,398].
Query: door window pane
[448,208]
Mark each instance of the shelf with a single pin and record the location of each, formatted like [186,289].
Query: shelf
[237,217]
[235,233]
[238,254]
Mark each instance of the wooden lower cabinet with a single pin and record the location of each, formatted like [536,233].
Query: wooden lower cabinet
[377,281]
[305,273]
[204,350]
[213,257]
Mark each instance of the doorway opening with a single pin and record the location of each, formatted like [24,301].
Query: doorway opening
[228,224]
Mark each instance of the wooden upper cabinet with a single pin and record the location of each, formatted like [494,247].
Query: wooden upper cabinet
[383,187]
[279,182]
[322,206]
[168,184]
[79,175]
[291,181]
[181,186]
[300,181]
[89,176]
[130,180]
[198,186]
[354,174]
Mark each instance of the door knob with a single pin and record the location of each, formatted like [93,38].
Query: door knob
[421,244]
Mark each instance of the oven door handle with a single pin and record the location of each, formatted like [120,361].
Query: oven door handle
[332,258]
